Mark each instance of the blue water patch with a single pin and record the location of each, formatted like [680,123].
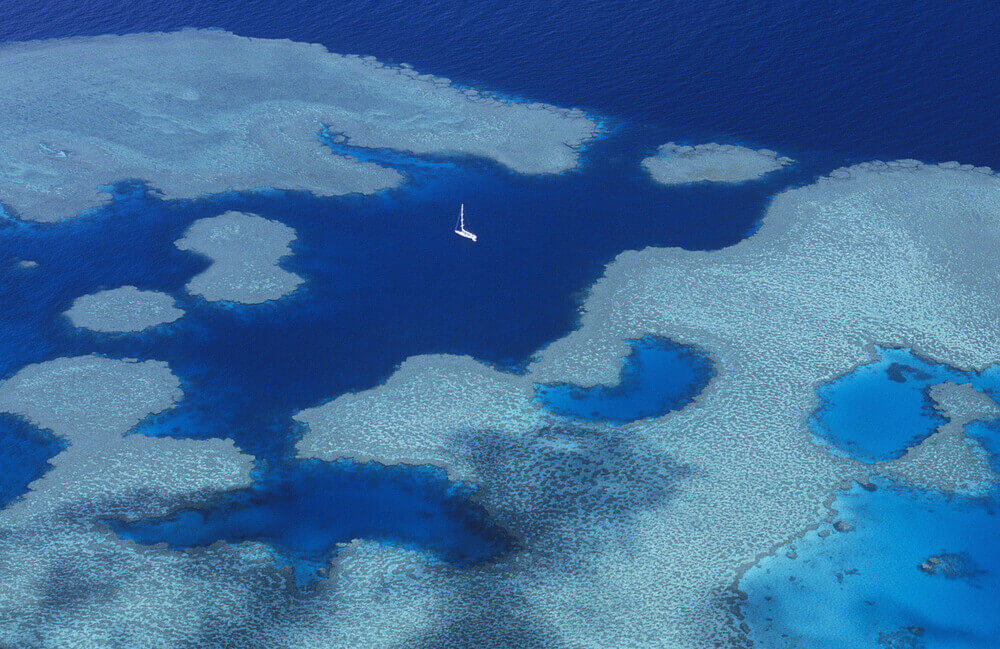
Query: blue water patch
[987,433]
[385,279]
[918,570]
[305,508]
[879,409]
[861,79]
[656,377]
[24,455]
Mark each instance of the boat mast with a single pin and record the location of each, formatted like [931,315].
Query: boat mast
[460,226]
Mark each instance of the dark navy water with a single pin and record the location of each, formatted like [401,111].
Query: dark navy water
[858,79]
[828,84]
[658,376]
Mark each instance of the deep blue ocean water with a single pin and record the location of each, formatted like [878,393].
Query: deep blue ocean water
[827,84]
[857,79]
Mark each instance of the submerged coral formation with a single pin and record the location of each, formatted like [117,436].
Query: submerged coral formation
[62,573]
[405,420]
[91,401]
[198,111]
[123,309]
[673,506]
[627,533]
[676,164]
[245,250]
[949,460]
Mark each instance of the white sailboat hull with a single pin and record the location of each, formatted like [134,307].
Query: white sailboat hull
[466,234]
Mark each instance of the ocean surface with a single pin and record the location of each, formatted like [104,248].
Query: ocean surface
[827,84]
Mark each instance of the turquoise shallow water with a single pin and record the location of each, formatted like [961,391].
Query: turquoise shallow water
[865,588]
[878,410]
[875,586]
[828,84]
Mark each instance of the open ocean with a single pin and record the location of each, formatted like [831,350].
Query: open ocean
[828,84]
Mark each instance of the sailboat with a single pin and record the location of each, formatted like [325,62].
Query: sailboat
[460,226]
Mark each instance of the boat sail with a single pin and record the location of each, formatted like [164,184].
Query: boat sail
[460,226]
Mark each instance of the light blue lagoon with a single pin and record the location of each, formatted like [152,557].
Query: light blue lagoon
[875,412]
[917,570]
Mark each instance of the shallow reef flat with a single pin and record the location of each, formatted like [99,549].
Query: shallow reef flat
[61,567]
[880,253]
[629,535]
[122,310]
[951,461]
[676,164]
[91,402]
[198,111]
[402,421]
[245,250]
